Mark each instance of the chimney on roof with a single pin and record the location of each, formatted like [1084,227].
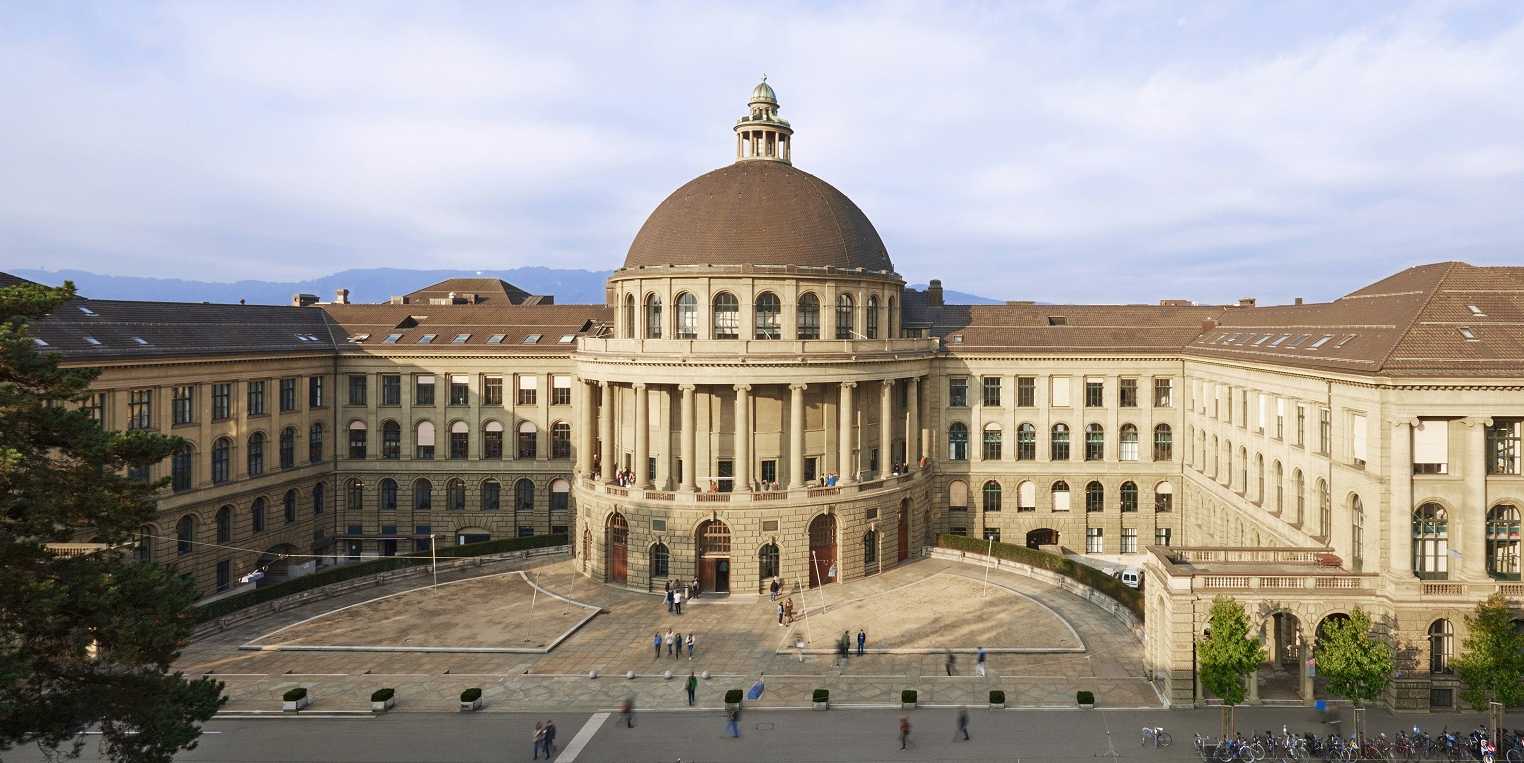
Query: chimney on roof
[1298,300]
[303,300]
[341,297]
[1246,302]
[934,292]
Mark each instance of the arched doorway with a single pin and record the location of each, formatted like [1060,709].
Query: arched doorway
[823,550]
[712,541]
[617,538]
[902,532]
[1042,536]
[1285,650]
[1319,684]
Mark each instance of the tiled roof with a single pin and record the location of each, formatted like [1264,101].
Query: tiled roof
[1035,328]
[109,329]
[6,279]
[489,291]
[363,328]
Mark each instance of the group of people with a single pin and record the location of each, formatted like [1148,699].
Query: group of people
[786,611]
[674,642]
[544,739]
[677,593]
[844,645]
[624,478]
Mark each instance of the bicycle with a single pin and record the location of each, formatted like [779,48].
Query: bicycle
[1157,736]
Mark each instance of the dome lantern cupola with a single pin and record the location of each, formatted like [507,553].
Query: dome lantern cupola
[762,134]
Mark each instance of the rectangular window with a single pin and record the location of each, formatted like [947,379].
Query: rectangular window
[288,394]
[95,408]
[769,471]
[1095,541]
[1431,447]
[1095,393]
[1161,536]
[1129,540]
[222,401]
[561,390]
[183,404]
[1164,393]
[315,392]
[1357,439]
[1243,408]
[492,390]
[1060,396]
[528,389]
[256,398]
[357,389]
[423,390]
[1280,419]
[1325,431]
[140,409]
[391,389]
[1503,446]
[1262,405]
[991,390]
[957,392]
[460,389]
[1026,391]
[1127,393]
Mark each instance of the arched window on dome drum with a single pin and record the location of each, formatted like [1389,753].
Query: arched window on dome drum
[768,312]
[1503,542]
[653,316]
[727,316]
[844,305]
[891,322]
[629,316]
[687,317]
[870,320]
[1431,542]
[809,316]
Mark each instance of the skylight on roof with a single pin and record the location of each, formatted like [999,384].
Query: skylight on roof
[1322,340]
[39,342]
[140,340]
[495,339]
[92,341]
[568,338]
[1261,340]
[460,339]
[1299,340]
[1343,340]
[1279,339]
[427,339]
[532,339]
[1467,333]
[87,311]
[357,338]
[392,338]
[1477,311]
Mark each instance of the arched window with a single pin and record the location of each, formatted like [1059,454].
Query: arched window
[1441,645]
[1259,477]
[727,316]
[1431,542]
[423,495]
[560,495]
[455,495]
[357,439]
[1164,443]
[1060,492]
[388,494]
[1357,529]
[185,534]
[991,496]
[1299,486]
[957,442]
[1325,511]
[892,322]
[659,560]
[391,440]
[354,495]
[1129,493]
[870,319]
[687,316]
[257,515]
[560,440]
[957,495]
[1127,443]
[769,312]
[808,320]
[1164,497]
[1216,457]
[1026,496]
[527,438]
[629,316]
[767,562]
[1059,444]
[1280,488]
[492,439]
[288,507]
[1095,496]
[287,447]
[653,316]
[222,455]
[317,498]
[1026,442]
[1503,542]
[424,440]
[1095,442]
[225,524]
[460,440]
[1243,469]
[492,495]
[315,443]
[256,454]
[870,552]
[523,495]
[992,441]
[180,464]
[844,328]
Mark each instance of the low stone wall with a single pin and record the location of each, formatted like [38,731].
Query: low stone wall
[446,564]
[1116,608]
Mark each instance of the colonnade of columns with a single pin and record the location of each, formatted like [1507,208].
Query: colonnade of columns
[598,416]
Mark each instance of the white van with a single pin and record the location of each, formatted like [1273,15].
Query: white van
[1131,577]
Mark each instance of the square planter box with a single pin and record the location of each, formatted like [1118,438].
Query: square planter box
[907,705]
[295,705]
[381,707]
[821,705]
[472,706]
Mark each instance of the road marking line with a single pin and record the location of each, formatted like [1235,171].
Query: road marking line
[584,735]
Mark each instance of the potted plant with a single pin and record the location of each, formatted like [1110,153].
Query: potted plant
[471,700]
[907,699]
[997,699]
[1085,699]
[382,700]
[732,699]
[295,700]
[821,699]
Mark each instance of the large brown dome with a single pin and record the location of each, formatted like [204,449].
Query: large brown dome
[759,213]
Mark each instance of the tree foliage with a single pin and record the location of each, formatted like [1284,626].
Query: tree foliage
[1492,663]
[1228,654]
[1357,665]
[88,640]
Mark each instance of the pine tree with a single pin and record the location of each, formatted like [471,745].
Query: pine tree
[1358,666]
[88,640]
[1492,665]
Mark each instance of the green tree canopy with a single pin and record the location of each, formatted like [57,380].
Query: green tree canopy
[1358,666]
[1492,665]
[1228,654]
[88,640]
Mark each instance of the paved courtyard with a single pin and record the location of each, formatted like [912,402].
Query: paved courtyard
[916,610]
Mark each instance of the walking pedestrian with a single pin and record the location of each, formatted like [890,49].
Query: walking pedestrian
[980,660]
[780,614]
[788,611]
[678,654]
[962,724]
[677,601]
[627,709]
[670,639]
[952,662]
[692,687]
[690,645]
[904,731]
[656,642]
[550,739]
[773,589]
[668,597]
[862,641]
[539,740]
[733,721]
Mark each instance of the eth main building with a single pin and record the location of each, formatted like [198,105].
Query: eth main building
[761,396]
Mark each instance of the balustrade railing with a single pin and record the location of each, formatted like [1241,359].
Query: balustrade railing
[869,487]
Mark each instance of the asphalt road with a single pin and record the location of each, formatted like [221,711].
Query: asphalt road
[779,735]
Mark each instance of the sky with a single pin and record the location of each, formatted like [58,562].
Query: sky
[1057,151]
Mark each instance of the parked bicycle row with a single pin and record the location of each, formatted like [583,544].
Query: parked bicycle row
[1414,745]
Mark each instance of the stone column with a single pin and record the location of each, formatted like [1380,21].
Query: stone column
[796,436]
[1471,530]
[743,439]
[663,476]
[687,448]
[885,425]
[1400,513]
[642,437]
[605,432]
[913,425]
[844,458]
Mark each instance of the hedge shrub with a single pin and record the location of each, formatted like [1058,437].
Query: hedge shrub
[821,695]
[295,695]
[382,695]
[344,572]
[732,696]
[1084,697]
[997,697]
[1100,581]
[471,695]
[908,696]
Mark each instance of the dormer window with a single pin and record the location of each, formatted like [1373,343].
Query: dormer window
[495,339]
[1261,340]
[427,339]
[1476,311]
[1322,340]
[1279,339]
[87,311]
[568,338]
[92,341]
[460,339]
[392,338]
[532,339]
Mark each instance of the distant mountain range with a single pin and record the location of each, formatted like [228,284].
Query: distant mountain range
[365,285]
